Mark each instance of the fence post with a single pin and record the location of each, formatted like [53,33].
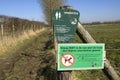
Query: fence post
[33,27]
[61,75]
[64,75]
[2,32]
[23,28]
[13,30]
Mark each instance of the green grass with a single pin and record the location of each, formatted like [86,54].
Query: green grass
[110,35]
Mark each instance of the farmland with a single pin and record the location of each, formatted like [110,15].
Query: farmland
[108,34]
[34,60]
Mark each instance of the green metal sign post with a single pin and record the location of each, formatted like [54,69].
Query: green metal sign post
[80,56]
[65,23]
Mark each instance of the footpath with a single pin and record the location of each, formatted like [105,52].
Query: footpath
[33,61]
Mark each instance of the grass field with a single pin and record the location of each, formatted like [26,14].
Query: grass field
[110,35]
[35,61]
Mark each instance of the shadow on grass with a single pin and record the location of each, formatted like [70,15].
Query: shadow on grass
[48,71]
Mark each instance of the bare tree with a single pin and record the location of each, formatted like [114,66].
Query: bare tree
[48,6]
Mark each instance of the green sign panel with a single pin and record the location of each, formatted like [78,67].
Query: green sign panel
[65,23]
[80,56]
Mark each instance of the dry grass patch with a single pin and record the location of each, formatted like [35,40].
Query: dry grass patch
[9,43]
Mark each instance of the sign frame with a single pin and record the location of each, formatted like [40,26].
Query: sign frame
[79,68]
[65,24]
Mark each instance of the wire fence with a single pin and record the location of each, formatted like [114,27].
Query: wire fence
[16,30]
[112,49]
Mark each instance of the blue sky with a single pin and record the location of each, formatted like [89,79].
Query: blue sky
[97,10]
[90,10]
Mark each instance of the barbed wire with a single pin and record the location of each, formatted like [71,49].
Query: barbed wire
[112,49]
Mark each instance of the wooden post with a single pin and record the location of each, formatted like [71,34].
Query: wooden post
[13,30]
[62,75]
[84,34]
[23,28]
[33,27]
[110,70]
[88,38]
[2,32]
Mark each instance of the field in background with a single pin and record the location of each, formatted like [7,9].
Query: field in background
[110,35]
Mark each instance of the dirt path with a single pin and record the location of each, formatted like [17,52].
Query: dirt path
[33,61]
